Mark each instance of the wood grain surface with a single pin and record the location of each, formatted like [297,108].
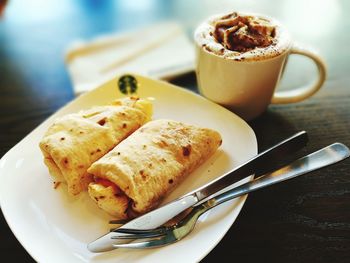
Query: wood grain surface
[304,220]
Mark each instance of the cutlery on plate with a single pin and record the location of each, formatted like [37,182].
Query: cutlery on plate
[258,164]
[137,238]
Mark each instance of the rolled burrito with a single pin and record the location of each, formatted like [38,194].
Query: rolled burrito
[77,140]
[138,173]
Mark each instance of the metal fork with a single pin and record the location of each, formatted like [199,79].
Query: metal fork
[136,238]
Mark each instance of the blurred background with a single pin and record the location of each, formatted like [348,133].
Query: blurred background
[35,36]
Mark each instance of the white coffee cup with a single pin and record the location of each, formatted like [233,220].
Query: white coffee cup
[246,83]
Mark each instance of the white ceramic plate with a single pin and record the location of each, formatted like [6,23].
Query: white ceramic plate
[54,227]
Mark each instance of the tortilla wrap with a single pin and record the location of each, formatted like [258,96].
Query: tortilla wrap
[138,173]
[77,140]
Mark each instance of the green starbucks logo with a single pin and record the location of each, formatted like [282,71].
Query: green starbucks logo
[127,84]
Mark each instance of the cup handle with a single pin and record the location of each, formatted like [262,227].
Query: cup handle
[304,92]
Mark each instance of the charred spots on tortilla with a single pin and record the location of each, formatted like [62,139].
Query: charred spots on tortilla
[102,122]
[118,153]
[98,150]
[144,146]
[56,185]
[81,132]
[186,150]
[81,166]
[143,174]
[150,165]
[96,198]
[62,138]
[101,197]
[163,160]
[220,142]
[124,125]
[118,194]
[163,143]
[135,98]
[65,160]
[170,181]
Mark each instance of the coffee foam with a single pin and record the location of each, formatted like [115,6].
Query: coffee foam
[204,36]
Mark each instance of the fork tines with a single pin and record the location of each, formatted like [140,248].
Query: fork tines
[140,233]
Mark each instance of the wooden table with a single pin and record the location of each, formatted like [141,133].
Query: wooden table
[305,220]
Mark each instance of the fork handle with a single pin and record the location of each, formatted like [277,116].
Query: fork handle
[316,160]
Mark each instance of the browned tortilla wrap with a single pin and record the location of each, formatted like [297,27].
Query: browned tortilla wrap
[146,166]
[77,140]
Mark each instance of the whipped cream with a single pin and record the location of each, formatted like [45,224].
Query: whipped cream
[206,35]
